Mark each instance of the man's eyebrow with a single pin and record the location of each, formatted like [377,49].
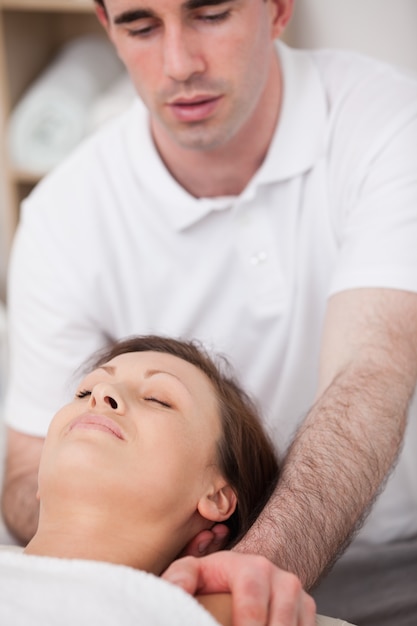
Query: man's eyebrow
[198,4]
[133,16]
[139,14]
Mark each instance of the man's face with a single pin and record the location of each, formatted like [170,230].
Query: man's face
[200,66]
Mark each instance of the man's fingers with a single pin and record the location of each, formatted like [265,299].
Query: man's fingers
[262,594]
[251,598]
[220,536]
[289,603]
[207,541]
[184,573]
[309,610]
[210,574]
[268,595]
[199,544]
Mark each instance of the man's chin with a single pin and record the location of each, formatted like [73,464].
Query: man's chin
[202,137]
[199,139]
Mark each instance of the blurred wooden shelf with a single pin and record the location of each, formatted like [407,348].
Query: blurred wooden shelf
[31,33]
[24,177]
[65,6]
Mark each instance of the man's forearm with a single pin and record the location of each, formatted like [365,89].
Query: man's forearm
[333,472]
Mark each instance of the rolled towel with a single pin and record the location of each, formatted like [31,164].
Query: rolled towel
[53,115]
[113,101]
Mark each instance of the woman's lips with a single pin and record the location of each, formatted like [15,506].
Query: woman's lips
[98,422]
[194,110]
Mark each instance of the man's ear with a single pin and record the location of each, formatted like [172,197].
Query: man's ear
[219,504]
[102,16]
[281,12]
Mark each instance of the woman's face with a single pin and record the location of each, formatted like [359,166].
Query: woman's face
[142,432]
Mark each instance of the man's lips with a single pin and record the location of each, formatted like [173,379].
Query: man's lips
[98,422]
[194,109]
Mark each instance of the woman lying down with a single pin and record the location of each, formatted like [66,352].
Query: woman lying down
[156,446]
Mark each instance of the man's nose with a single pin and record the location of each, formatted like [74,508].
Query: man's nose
[182,54]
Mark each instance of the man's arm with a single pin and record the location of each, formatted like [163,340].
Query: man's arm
[335,467]
[351,437]
[19,504]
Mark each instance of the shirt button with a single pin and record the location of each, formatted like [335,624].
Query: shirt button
[258,258]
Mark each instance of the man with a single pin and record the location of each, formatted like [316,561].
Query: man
[265,201]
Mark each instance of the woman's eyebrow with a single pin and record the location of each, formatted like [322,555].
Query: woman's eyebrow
[107,368]
[152,372]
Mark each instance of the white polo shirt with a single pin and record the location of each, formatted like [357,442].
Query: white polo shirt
[110,245]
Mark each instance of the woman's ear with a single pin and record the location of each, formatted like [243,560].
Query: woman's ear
[219,504]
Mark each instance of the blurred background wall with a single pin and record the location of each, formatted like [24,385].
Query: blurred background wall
[386,29]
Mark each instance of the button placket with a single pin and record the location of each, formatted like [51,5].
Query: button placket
[259,257]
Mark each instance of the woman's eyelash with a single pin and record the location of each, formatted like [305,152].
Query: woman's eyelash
[161,402]
[83,393]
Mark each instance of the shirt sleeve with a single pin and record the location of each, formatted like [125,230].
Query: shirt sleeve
[51,331]
[376,223]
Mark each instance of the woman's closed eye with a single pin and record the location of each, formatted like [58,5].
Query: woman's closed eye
[158,401]
[83,393]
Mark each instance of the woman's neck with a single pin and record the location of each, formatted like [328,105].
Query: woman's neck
[112,543]
[85,531]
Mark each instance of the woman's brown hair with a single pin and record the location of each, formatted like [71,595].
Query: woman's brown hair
[246,456]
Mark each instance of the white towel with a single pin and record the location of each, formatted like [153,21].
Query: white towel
[53,114]
[44,591]
[330,621]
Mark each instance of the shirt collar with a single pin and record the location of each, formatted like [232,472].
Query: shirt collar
[299,139]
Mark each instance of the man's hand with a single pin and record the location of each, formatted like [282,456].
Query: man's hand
[18,501]
[262,594]
[207,541]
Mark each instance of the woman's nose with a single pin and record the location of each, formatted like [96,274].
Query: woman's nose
[105,395]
